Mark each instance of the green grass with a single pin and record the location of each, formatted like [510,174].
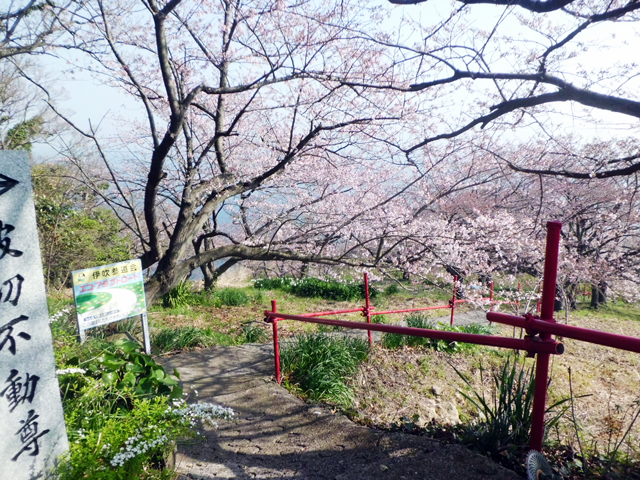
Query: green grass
[320,366]
[395,340]
[505,414]
[311,287]
[254,332]
[187,338]
[612,310]
[232,297]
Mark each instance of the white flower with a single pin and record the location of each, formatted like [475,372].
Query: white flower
[70,371]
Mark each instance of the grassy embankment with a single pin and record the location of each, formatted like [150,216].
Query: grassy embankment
[392,385]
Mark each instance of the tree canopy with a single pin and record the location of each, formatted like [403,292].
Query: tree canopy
[324,133]
[75,232]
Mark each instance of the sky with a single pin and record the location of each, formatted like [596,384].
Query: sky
[85,97]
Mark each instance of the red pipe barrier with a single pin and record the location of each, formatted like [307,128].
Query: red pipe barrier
[531,345]
[276,343]
[534,325]
[453,300]
[537,342]
[335,312]
[542,361]
[367,309]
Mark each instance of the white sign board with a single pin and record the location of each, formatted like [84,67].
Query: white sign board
[32,429]
[110,293]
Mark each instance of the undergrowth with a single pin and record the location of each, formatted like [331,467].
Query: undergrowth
[183,296]
[395,340]
[316,288]
[319,366]
[123,411]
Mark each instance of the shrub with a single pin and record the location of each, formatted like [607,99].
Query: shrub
[391,289]
[232,297]
[320,366]
[315,288]
[281,283]
[180,296]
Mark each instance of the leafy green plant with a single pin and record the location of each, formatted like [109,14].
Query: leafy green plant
[505,416]
[391,289]
[254,333]
[180,296]
[320,366]
[122,375]
[184,338]
[232,297]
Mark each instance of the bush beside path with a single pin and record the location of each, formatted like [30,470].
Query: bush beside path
[276,435]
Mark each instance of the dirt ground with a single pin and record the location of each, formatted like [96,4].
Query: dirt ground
[394,386]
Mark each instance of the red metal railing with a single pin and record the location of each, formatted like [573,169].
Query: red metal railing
[538,340]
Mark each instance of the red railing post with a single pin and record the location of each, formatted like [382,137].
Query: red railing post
[276,343]
[453,300]
[491,297]
[547,310]
[367,308]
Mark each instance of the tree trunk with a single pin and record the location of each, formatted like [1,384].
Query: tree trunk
[208,273]
[598,294]
[571,294]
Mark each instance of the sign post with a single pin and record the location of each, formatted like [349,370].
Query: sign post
[32,430]
[108,294]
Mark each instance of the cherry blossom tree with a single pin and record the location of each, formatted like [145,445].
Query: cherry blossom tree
[33,26]
[314,133]
[257,142]
[555,73]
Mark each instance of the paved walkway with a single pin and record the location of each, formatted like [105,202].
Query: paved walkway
[276,435]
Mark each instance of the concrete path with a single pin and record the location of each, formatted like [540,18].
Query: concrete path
[277,436]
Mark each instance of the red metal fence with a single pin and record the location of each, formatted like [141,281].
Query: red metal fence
[537,342]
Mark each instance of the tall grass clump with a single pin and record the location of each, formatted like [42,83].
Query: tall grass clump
[180,296]
[186,338]
[232,297]
[395,340]
[504,421]
[319,366]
